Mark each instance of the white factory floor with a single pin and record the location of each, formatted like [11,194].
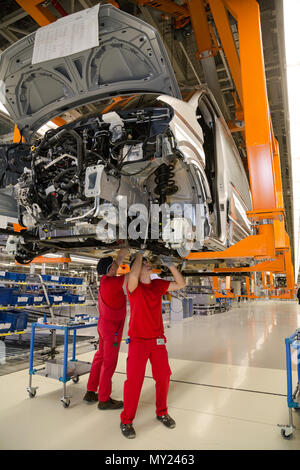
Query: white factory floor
[227,391]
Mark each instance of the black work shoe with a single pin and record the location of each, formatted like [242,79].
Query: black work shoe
[110,404]
[90,397]
[128,430]
[167,421]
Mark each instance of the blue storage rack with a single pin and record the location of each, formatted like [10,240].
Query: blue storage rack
[12,300]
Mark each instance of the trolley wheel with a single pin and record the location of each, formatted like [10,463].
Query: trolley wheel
[66,403]
[32,394]
[286,436]
[75,379]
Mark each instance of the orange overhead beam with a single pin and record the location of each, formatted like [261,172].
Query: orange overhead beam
[255,246]
[121,100]
[179,12]
[277,265]
[44,259]
[41,15]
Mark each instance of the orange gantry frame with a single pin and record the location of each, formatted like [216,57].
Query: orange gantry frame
[248,74]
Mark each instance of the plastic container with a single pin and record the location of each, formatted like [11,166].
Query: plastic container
[55,368]
[70,298]
[5,296]
[78,281]
[21,300]
[46,277]
[17,320]
[11,276]
[55,299]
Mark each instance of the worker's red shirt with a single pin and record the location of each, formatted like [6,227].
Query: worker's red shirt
[111,291]
[145,309]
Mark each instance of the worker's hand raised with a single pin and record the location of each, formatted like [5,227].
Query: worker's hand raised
[166,261]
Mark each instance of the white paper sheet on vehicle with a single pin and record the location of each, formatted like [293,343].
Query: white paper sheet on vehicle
[68,35]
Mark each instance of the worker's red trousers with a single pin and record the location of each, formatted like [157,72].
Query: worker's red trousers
[139,351]
[110,329]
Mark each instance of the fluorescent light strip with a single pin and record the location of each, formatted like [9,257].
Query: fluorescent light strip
[84,260]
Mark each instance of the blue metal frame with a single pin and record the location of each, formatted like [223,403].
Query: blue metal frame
[66,330]
[292,341]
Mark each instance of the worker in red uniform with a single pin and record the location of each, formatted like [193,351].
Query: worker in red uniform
[147,340]
[112,313]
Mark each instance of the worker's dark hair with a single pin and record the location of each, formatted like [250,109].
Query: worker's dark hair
[104,265]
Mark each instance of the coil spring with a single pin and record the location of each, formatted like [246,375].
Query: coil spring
[165,184]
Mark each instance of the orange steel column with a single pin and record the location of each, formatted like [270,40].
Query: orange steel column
[264,279]
[216,287]
[271,280]
[247,286]
[252,288]
[279,226]
[289,270]
[256,109]
[201,29]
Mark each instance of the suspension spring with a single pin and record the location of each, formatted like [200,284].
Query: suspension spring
[164,180]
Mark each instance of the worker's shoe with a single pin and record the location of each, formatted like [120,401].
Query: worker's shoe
[167,421]
[128,430]
[90,397]
[110,404]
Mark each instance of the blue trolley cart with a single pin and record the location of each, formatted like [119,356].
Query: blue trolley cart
[293,398]
[62,370]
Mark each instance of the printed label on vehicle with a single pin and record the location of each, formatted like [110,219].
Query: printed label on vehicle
[160,341]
